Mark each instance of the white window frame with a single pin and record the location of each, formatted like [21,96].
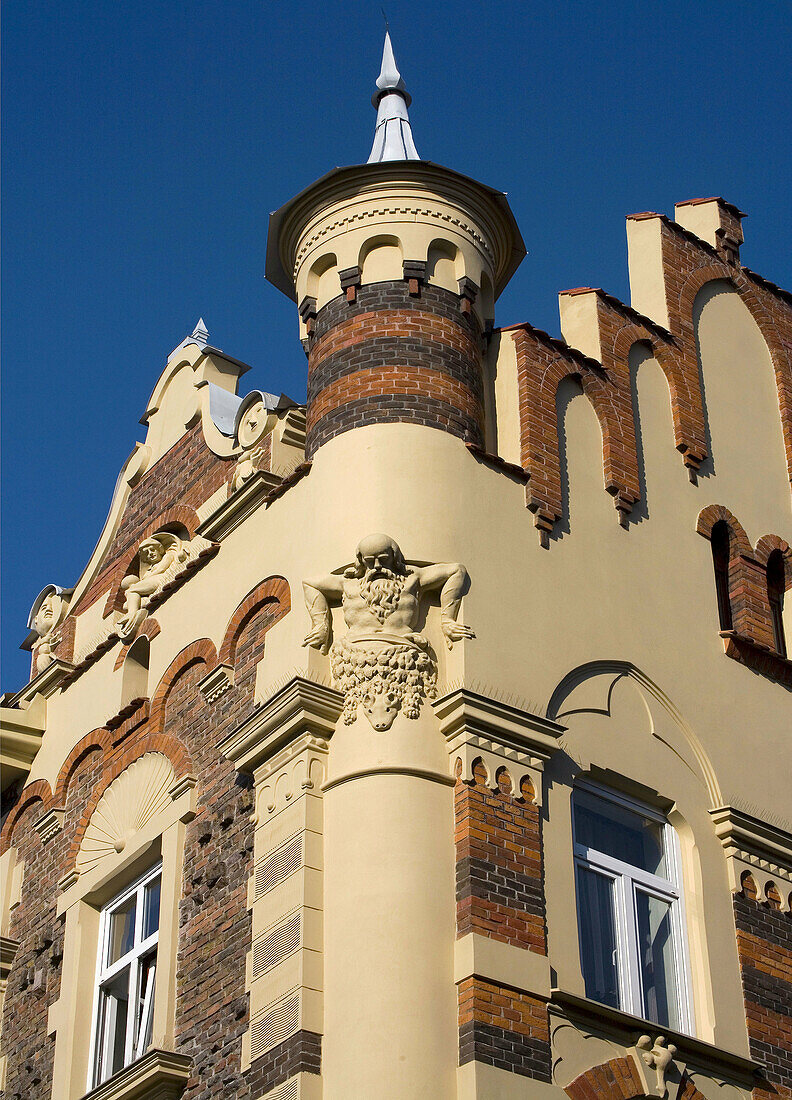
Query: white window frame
[134,1045]
[627,881]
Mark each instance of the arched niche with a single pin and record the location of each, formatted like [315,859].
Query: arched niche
[323,283]
[743,419]
[135,671]
[442,265]
[584,503]
[659,468]
[381,260]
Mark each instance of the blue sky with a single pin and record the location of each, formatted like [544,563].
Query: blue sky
[146,143]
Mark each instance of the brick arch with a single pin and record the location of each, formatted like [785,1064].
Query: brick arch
[766,545]
[272,590]
[618,1079]
[98,739]
[200,651]
[169,746]
[714,513]
[37,791]
[150,629]
[180,515]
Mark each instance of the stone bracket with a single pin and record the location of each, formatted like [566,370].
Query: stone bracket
[755,846]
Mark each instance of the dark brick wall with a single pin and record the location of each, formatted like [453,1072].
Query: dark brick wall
[503,1027]
[392,356]
[214,922]
[764,944]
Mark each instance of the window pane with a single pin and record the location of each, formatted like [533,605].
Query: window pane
[122,931]
[598,937]
[656,947]
[144,1018]
[624,834]
[111,1038]
[151,905]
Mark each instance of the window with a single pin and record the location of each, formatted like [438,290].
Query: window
[126,973]
[630,908]
[775,596]
[719,540]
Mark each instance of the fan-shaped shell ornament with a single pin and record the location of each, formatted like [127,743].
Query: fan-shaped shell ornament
[132,799]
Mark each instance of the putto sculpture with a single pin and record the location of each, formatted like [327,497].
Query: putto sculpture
[382,663]
[158,560]
[254,423]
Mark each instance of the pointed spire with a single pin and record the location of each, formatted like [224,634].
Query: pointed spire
[393,138]
[200,334]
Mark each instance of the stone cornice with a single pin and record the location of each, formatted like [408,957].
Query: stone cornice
[46,683]
[216,683]
[300,707]
[8,949]
[238,506]
[750,839]
[626,1029]
[467,717]
[158,1075]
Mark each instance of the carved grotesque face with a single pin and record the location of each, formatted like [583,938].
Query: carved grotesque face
[45,616]
[252,424]
[381,709]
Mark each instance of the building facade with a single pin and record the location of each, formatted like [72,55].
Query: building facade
[430,737]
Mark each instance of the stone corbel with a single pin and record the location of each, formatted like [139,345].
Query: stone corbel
[659,1068]
[468,292]
[307,311]
[50,824]
[219,681]
[415,275]
[350,281]
[477,727]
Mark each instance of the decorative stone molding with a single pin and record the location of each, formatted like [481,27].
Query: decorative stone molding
[158,1075]
[215,685]
[658,1067]
[754,846]
[50,824]
[382,664]
[612,1026]
[501,736]
[46,683]
[235,510]
[21,733]
[300,707]
[8,950]
[134,798]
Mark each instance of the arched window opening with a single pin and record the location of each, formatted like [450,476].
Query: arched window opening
[134,683]
[775,597]
[719,540]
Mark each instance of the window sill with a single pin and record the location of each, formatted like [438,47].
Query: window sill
[158,1075]
[627,1029]
[758,658]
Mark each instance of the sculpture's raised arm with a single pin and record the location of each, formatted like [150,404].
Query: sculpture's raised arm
[318,594]
[452,580]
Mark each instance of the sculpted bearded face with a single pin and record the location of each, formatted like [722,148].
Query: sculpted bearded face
[382,572]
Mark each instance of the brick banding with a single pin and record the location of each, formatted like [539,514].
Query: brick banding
[503,1027]
[300,1053]
[273,591]
[391,357]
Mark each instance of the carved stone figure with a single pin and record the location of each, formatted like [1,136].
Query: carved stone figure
[47,614]
[657,1056]
[252,427]
[382,663]
[158,559]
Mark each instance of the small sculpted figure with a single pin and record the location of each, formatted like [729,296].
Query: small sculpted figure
[157,556]
[250,432]
[382,663]
[657,1056]
[45,622]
